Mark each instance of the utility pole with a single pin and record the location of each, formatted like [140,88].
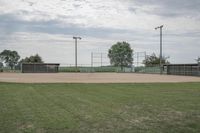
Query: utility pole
[76,38]
[137,59]
[91,62]
[160,27]
[145,58]
[101,59]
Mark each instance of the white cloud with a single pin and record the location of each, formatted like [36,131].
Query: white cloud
[117,14]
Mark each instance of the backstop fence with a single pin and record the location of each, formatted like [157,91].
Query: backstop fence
[154,69]
[81,68]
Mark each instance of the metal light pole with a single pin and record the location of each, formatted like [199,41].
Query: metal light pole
[160,27]
[76,38]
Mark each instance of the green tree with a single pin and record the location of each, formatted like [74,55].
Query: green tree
[1,67]
[121,54]
[32,59]
[198,60]
[10,58]
[155,60]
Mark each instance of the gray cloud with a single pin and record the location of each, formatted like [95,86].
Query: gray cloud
[10,23]
[173,8]
[141,13]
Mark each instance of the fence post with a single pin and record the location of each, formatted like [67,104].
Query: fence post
[21,68]
[145,58]
[199,69]
[91,62]
[101,59]
[47,68]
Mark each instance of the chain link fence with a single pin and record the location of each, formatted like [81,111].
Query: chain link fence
[70,68]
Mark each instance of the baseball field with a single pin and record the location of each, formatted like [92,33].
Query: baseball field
[93,78]
[99,103]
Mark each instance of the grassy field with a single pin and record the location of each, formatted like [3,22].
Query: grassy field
[100,108]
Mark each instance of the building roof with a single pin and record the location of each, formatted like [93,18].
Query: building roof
[181,64]
[41,63]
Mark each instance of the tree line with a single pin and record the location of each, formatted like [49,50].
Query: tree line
[12,59]
[120,55]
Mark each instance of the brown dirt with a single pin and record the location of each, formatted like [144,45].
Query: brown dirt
[93,78]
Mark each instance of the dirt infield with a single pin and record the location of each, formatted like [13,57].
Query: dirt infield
[93,78]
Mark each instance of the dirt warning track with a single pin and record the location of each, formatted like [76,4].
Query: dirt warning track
[93,78]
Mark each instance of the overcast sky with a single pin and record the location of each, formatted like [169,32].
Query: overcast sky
[46,27]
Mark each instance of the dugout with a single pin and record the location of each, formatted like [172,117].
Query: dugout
[183,69]
[39,67]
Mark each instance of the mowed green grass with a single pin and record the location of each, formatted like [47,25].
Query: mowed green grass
[100,108]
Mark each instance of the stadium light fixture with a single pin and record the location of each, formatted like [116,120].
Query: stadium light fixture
[160,27]
[76,38]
